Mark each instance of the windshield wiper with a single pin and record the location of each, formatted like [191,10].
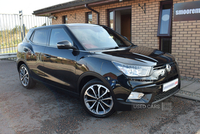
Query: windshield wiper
[132,45]
[112,48]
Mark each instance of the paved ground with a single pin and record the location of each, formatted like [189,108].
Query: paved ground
[190,89]
[43,110]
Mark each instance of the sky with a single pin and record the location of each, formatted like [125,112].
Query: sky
[28,6]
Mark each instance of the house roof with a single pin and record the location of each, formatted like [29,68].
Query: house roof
[68,6]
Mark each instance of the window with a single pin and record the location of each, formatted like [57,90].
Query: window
[165,19]
[111,20]
[58,35]
[119,19]
[166,44]
[165,26]
[89,17]
[65,21]
[40,37]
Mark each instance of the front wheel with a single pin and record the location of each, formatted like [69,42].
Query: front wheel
[25,78]
[97,99]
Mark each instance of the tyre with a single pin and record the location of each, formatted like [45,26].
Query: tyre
[24,76]
[97,99]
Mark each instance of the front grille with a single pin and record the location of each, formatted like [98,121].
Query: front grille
[173,74]
[162,95]
[159,67]
[172,64]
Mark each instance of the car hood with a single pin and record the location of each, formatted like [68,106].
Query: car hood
[137,55]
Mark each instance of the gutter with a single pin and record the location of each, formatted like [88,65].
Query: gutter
[61,8]
[86,5]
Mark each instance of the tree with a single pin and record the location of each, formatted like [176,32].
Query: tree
[17,28]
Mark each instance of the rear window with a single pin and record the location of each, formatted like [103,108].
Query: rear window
[40,37]
[28,36]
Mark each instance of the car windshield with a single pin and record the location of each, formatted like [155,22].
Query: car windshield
[98,37]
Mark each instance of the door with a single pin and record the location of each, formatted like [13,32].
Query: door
[34,53]
[125,26]
[59,64]
[120,21]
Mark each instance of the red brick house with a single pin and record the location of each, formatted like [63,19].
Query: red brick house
[171,26]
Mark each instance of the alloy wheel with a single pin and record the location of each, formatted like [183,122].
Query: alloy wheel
[24,76]
[98,99]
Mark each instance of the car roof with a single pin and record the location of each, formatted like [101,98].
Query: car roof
[80,25]
[68,25]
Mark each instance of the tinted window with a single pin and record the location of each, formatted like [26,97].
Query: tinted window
[28,36]
[40,37]
[58,35]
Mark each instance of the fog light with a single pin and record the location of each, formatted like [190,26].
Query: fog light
[135,95]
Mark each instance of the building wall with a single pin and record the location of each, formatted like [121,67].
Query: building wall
[185,34]
[186,45]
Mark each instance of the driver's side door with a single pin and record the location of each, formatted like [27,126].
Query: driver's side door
[59,64]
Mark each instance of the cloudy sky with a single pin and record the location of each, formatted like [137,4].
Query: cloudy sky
[28,6]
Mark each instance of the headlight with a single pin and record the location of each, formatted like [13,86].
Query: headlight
[132,70]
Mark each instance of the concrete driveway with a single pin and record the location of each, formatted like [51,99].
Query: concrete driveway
[44,110]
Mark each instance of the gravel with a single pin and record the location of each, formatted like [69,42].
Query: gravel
[44,110]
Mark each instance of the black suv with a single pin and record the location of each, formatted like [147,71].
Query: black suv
[98,65]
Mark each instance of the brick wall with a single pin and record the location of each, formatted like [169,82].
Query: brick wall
[144,26]
[186,45]
[185,34]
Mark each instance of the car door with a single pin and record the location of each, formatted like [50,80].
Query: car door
[59,64]
[34,52]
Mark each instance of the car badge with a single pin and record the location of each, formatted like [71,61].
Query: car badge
[168,68]
[162,72]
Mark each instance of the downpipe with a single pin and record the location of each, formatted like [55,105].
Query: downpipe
[86,5]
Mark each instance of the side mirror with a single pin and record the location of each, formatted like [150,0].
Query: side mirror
[65,45]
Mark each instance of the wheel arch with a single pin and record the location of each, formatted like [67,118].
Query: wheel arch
[86,77]
[19,64]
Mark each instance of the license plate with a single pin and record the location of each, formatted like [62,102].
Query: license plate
[169,85]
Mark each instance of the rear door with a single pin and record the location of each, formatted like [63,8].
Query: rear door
[59,64]
[34,58]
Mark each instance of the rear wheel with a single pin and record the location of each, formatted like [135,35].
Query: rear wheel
[24,76]
[97,99]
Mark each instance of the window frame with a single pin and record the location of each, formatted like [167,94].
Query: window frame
[64,20]
[160,18]
[114,17]
[109,11]
[87,17]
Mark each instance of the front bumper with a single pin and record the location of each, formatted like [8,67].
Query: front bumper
[152,89]
[154,95]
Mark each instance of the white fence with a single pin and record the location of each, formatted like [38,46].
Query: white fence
[13,28]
